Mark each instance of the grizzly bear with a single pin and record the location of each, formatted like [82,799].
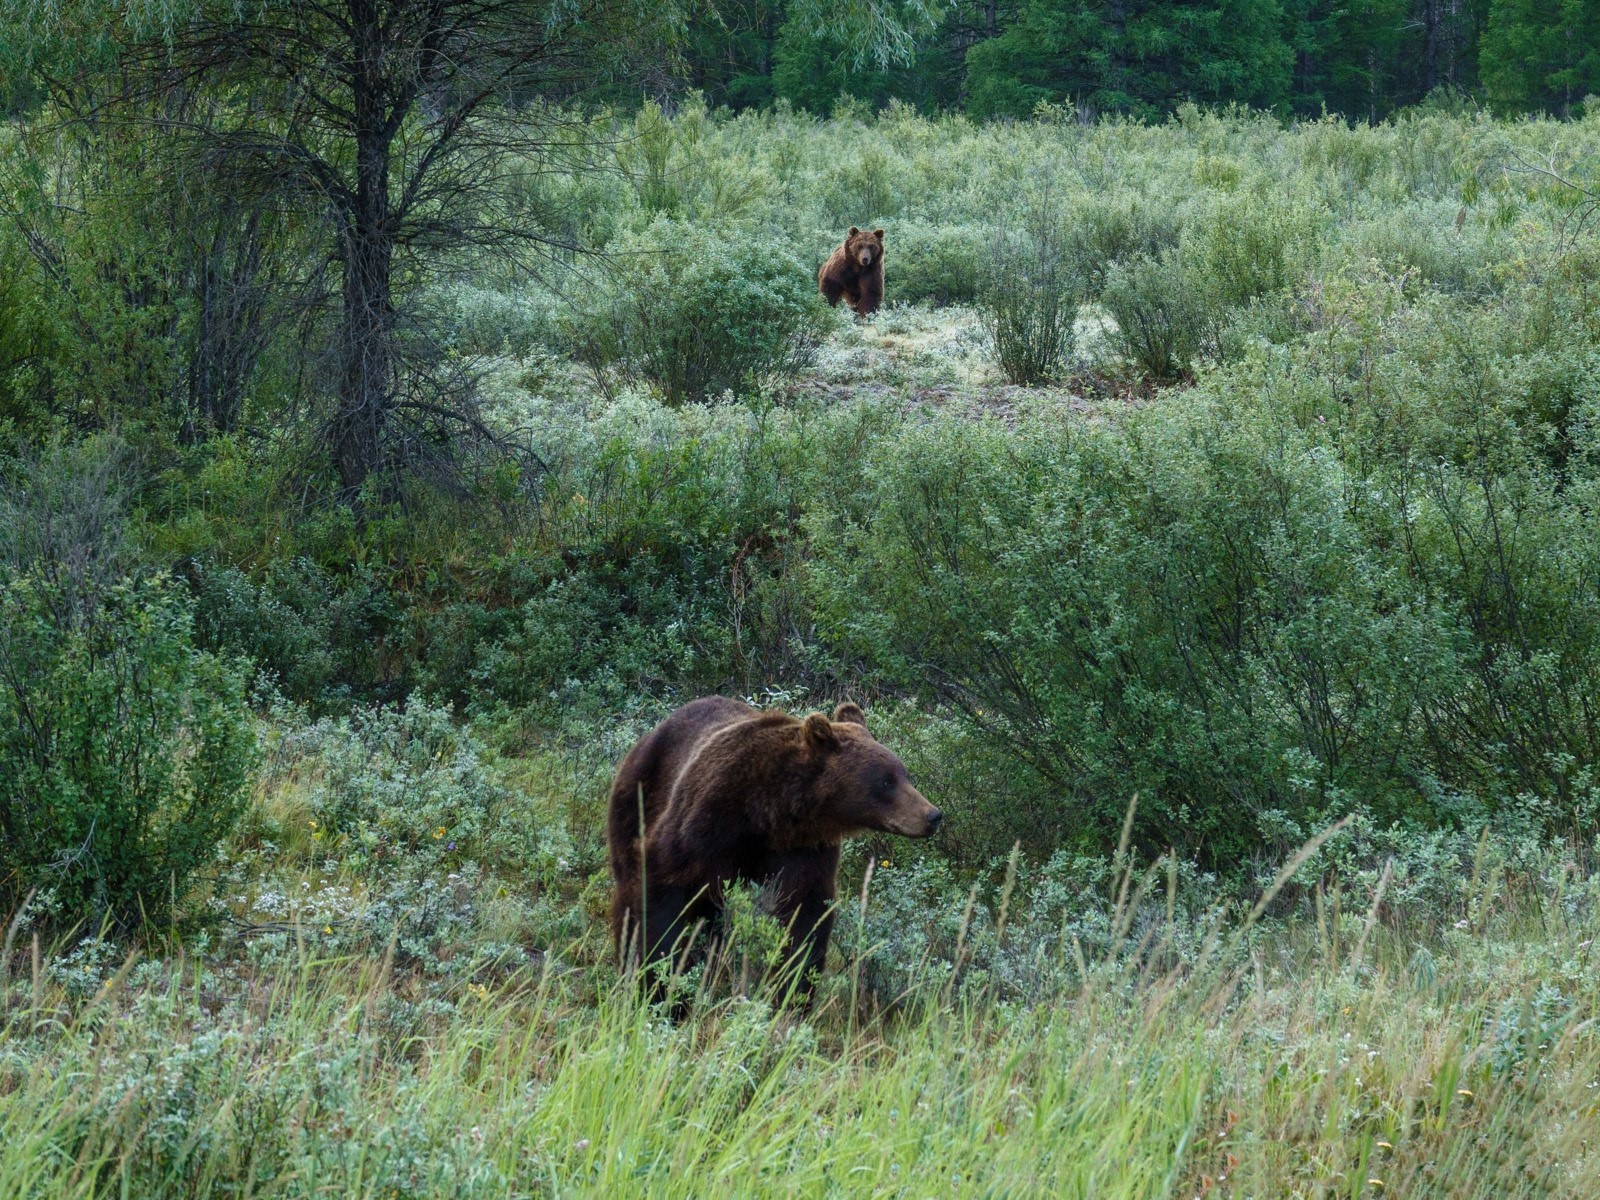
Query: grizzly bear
[855,272]
[729,792]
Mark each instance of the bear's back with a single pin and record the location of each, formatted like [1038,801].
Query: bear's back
[654,766]
[679,738]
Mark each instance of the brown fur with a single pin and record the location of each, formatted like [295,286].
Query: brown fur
[847,276]
[728,792]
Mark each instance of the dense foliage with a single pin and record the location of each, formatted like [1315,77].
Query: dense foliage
[698,312]
[1143,57]
[1347,564]
[1245,472]
[125,752]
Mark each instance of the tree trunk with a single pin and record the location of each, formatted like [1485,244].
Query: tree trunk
[1430,53]
[366,384]
[366,335]
[1119,54]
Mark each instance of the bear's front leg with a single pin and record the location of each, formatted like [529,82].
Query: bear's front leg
[805,888]
[672,914]
[870,295]
[664,922]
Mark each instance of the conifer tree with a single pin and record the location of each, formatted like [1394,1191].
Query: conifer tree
[1542,54]
[1140,57]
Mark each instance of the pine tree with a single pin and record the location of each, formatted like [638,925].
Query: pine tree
[1140,57]
[1542,54]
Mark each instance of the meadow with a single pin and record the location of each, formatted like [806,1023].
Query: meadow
[1208,520]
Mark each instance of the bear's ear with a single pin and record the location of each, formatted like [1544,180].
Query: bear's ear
[849,713]
[819,733]
[878,233]
[854,231]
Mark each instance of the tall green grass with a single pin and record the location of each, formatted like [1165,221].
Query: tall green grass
[1331,1057]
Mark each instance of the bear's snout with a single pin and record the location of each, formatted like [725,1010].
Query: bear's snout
[913,816]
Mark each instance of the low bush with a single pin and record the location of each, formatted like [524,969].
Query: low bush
[934,264]
[490,320]
[124,750]
[290,642]
[1355,582]
[125,753]
[696,312]
[316,635]
[1188,281]
[1421,245]
[592,644]
[1105,231]
[1159,318]
[1028,299]
[403,790]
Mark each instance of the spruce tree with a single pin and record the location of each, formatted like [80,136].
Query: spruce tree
[1542,54]
[1139,57]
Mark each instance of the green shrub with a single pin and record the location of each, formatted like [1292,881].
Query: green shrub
[1158,314]
[319,636]
[595,643]
[293,643]
[1185,610]
[489,320]
[937,264]
[697,311]
[1422,244]
[63,517]
[860,190]
[1106,231]
[646,159]
[1247,247]
[29,337]
[124,751]
[1181,281]
[1028,298]
[674,529]
[1355,573]
[403,790]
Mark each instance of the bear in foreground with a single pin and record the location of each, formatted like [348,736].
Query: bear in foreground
[729,792]
[855,272]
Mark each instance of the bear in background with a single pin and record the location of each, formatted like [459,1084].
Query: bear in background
[855,272]
[729,792]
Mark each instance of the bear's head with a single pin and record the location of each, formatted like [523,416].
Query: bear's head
[864,248]
[862,785]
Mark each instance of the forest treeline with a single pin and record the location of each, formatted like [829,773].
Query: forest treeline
[988,58]
[1360,59]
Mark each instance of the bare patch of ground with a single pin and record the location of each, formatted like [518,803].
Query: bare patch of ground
[939,358]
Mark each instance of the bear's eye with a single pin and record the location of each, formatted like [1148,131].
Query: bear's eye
[888,783]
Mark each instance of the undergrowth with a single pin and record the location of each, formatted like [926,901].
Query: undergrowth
[1086,1028]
